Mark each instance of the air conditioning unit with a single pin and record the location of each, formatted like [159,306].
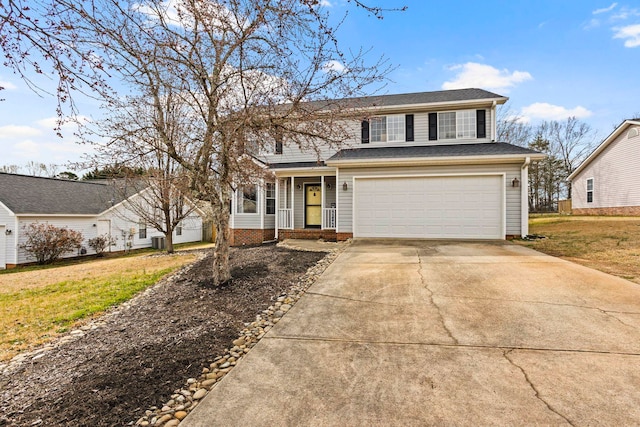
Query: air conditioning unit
[158,242]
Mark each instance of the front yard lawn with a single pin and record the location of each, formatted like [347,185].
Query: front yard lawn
[609,244]
[38,304]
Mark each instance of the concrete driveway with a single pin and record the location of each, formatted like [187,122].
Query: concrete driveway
[443,333]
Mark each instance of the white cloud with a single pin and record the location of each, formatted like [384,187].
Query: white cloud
[16,131]
[52,122]
[546,111]
[326,3]
[593,23]
[333,66]
[7,85]
[630,34]
[485,76]
[605,9]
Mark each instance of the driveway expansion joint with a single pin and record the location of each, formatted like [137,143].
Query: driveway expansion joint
[533,387]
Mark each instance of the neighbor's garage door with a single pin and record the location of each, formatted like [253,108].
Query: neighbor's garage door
[457,207]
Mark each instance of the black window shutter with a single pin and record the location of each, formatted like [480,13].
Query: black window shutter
[433,126]
[365,131]
[408,127]
[481,123]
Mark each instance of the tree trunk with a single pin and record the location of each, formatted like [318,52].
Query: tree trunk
[169,242]
[221,270]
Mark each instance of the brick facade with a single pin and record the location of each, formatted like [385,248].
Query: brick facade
[621,210]
[250,236]
[307,233]
[341,237]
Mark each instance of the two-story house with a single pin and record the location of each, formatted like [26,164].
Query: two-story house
[421,165]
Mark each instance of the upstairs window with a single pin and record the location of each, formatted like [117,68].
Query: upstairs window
[247,199]
[378,129]
[590,190]
[392,128]
[465,124]
[447,125]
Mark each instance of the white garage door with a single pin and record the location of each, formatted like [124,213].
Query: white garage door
[451,207]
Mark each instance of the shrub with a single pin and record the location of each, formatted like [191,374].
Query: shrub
[100,243]
[47,242]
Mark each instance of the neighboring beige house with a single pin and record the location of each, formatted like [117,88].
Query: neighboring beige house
[607,182]
[422,165]
[92,208]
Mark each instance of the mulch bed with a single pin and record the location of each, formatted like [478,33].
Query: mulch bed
[145,352]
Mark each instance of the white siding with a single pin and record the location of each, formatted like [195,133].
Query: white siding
[251,221]
[615,174]
[8,219]
[81,224]
[124,221]
[293,154]
[512,198]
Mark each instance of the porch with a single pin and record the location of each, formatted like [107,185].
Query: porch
[306,207]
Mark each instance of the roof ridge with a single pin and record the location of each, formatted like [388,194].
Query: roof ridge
[51,178]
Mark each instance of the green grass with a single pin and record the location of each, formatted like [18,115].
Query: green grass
[609,244]
[31,316]
[75,261]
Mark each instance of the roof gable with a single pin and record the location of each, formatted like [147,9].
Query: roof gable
[48,196]
[600,148]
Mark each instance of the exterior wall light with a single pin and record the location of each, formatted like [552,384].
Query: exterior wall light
[8,232]
[515,182]
[299,187]
[345,187]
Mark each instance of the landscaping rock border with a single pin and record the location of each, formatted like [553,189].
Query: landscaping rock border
[185,399]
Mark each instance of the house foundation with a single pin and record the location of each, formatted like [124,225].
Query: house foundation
[620,211]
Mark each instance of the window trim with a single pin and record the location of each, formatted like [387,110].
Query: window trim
[240,190]
[142,229]
[589,192]
[267,198]
[473,114]
[179,230]
[400,124]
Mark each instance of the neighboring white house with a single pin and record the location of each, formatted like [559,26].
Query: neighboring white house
[92,208]
[421,165]
[607,182]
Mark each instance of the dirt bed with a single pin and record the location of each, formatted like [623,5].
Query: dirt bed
[146,351]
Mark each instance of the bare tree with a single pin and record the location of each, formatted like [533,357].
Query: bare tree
[41,169]
[131,139]
[10,168]
[572,140]
[512,128]
[247,69]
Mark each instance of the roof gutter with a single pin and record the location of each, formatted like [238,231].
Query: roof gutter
[418,161]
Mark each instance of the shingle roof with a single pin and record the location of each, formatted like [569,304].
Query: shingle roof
[441,96]
[36,195]
[482,149]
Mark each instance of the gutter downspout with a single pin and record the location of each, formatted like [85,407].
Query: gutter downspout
[524,197]
[493,121]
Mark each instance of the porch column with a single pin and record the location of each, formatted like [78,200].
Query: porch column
[293,194]
[322,202]
[277,205]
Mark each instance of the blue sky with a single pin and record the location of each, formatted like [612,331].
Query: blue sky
[552,58]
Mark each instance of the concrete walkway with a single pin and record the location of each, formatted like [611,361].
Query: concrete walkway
[436,333]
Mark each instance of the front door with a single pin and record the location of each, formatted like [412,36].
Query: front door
[313,205]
